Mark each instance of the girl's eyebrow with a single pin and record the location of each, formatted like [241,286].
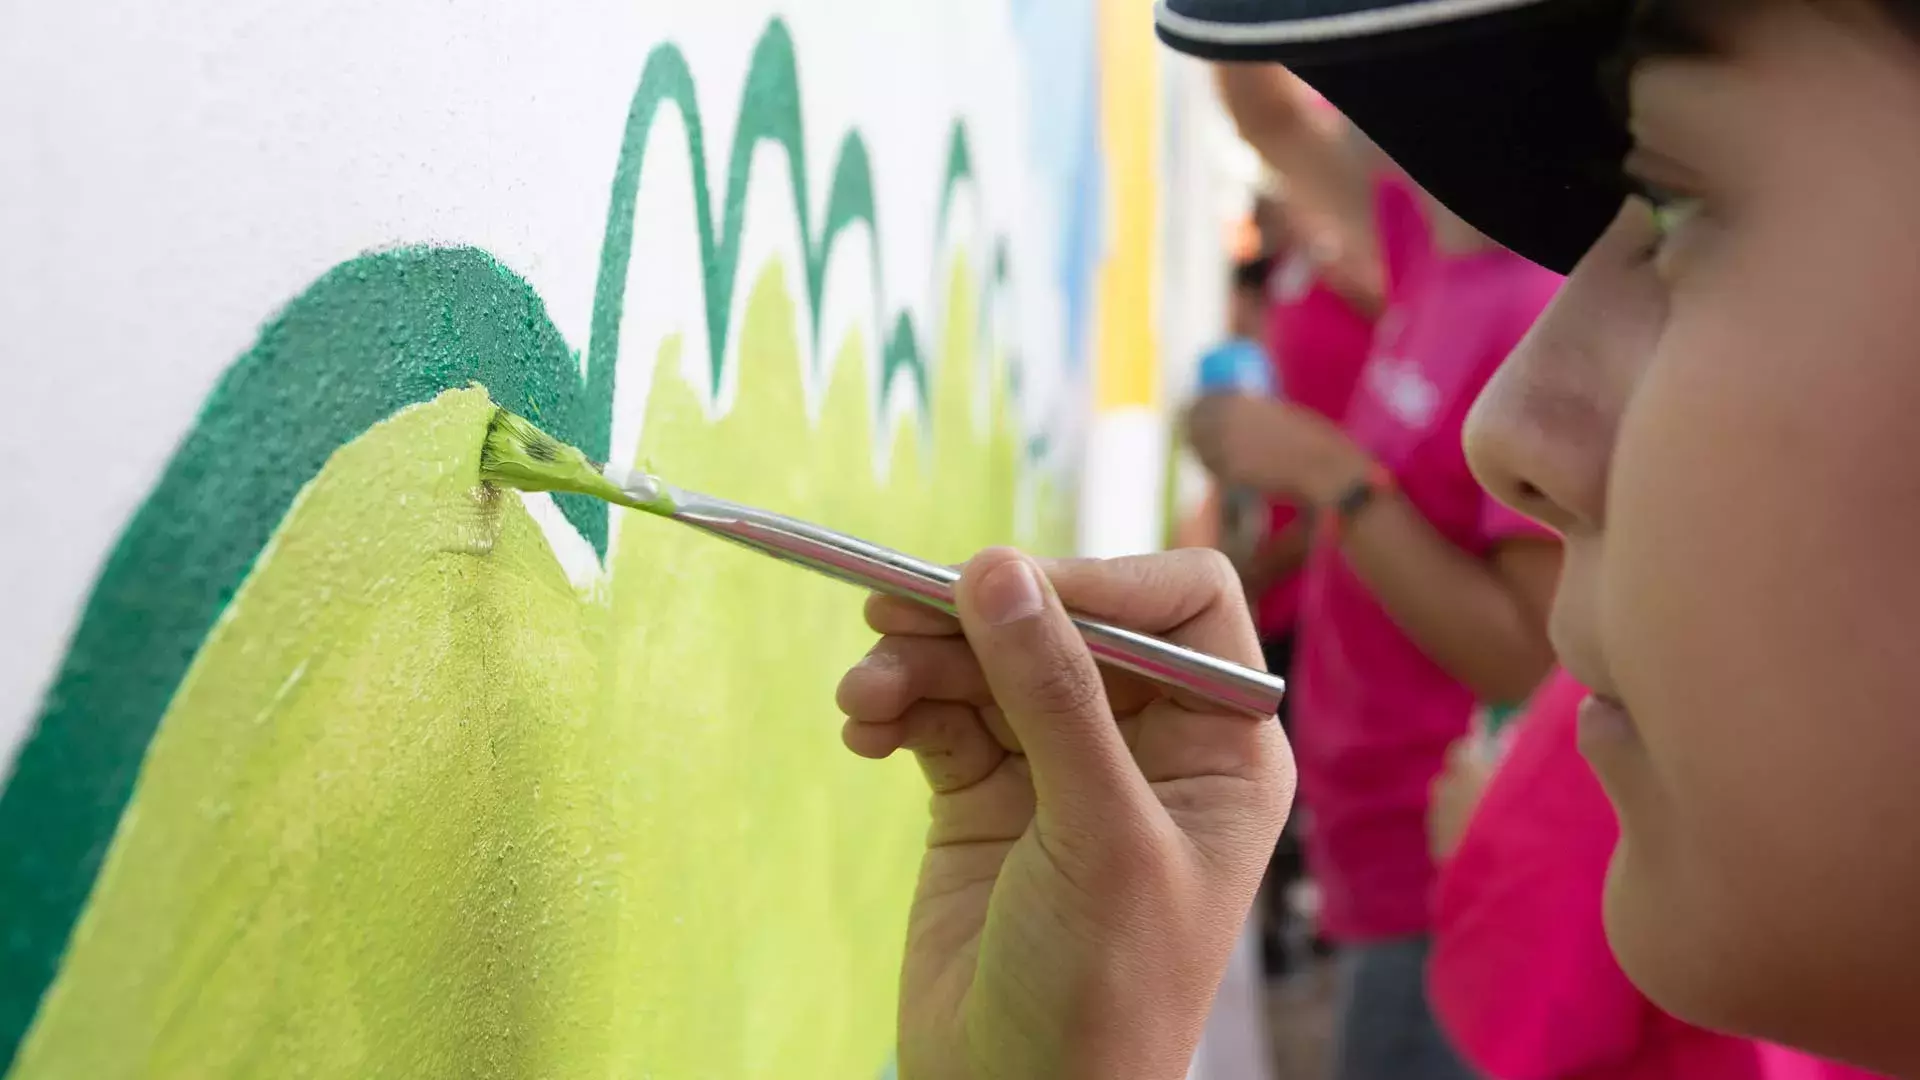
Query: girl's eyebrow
[1664,30]
[1677,30]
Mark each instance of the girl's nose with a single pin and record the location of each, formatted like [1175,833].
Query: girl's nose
[1539,438]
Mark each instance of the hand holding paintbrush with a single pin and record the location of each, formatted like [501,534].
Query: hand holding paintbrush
[1095,844]
[518,454]
[1096,839]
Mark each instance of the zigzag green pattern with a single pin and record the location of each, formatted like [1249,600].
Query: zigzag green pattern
[371,336]
[769,111]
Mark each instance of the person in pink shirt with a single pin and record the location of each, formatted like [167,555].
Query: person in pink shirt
[1318,330]
[1520,976]
[1318,336]
[1422,595]
[1315,319]
[1325,288]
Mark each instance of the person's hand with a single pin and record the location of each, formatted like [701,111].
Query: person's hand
[1275,447]
[1256,574]
[1456,794]
[1095,842]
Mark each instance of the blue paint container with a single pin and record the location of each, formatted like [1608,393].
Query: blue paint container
[1236,366]
[1239,366]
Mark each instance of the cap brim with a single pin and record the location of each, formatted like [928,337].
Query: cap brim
[1496,107]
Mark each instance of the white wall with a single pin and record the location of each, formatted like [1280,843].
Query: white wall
[1211,178]
[173,173]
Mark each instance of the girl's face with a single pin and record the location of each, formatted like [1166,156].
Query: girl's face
[1722,414]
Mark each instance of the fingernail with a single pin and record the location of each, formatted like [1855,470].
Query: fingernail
[1010,592]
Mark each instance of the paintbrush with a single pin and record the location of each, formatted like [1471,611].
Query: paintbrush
[519,455]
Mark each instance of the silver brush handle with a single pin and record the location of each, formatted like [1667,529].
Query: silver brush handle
[880,569]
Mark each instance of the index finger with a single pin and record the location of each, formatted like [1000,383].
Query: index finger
[1191,597]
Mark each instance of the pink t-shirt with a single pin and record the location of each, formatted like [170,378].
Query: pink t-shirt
[1521,977]
[1317,341]
[1784,1064]
[1374,714]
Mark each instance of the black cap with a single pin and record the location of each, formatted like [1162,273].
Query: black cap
[1499,108]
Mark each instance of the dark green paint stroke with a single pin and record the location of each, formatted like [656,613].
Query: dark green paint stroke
[902,354]
[770,112]
[372,336]
[959,167]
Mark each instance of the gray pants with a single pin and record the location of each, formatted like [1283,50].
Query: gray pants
[1383,1029]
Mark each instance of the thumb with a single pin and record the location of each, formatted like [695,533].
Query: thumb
[1044,680]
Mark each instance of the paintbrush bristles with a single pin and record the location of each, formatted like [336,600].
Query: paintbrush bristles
[517,454]
[514,446]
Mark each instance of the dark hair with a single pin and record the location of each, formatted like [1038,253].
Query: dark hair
[1252,274]
[1906,13]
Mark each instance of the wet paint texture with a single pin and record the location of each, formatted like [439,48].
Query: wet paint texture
[419,808]
[350,829]
[519,455]
[396,328]
[770,870]
[367,339]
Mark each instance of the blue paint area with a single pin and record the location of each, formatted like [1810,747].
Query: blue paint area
[1058,42]
[890,1071]
[1081,218]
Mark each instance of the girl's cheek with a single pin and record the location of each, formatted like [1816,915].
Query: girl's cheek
[1758,586]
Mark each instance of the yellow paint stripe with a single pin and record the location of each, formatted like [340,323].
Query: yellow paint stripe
[1126,353]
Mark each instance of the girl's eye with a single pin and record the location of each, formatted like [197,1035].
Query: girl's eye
[1669,217]
[1670,213]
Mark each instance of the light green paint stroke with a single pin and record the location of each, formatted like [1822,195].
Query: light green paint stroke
[350,851]
[421,810]
[813,852]
[370,337]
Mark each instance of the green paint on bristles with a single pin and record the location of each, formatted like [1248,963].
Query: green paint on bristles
[519,455]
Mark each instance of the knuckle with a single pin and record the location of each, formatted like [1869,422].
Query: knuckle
[874,611]
[883,684]
[945,669]
[1073,573]
[1213,568]
[1206,576]
[1071,565]
[931,730]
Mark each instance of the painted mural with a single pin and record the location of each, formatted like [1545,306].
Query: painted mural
[354,767]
